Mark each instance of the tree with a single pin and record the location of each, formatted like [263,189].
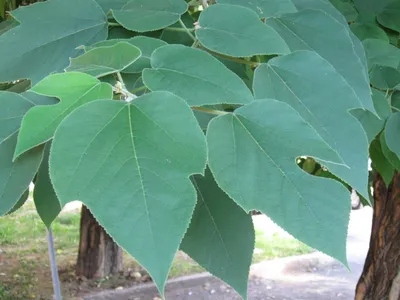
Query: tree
[172,120]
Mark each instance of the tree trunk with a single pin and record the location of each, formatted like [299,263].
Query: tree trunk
[98,255]
[380,279]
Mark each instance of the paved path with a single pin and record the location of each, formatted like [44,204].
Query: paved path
[310,277]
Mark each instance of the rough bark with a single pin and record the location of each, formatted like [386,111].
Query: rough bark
[98,255]
[380,279]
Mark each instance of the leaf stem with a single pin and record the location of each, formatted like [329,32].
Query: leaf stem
[210,111]
[114,24]
[187,30]
[395,108]
[234,59]
[53,265]
[121,88]
[179,29]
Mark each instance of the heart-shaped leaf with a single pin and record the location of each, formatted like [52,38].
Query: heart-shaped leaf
[131,168]
[252,154]
[176,69]
[101,61]
[237,31]
[145,15]
[74,90]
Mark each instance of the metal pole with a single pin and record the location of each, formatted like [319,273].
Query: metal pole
[53,265]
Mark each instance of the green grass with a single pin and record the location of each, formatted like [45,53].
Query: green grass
[25,272]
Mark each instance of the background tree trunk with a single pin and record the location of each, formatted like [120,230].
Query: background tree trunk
[98,255]
[380,279]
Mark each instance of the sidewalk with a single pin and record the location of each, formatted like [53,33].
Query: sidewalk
[308,277]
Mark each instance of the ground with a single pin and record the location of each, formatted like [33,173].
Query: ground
[25,272]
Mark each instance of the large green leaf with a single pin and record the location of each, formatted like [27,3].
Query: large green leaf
[252,154]
[20,202]
[389,16]
[108,5]
[16,176]
[368,31]
[381,53]
[47,205]
[237,31]
[265,8]
[221,235]
[392,133]
[293,79]
[74,90]
[131,167]
[333,41]
[104,60]
[42,45]
[176,69]
[380,162]
[146,45]
[145,15]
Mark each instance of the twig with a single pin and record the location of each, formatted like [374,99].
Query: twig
[187,30]
[395,108]
[179,29]
[114,24]
[53,265]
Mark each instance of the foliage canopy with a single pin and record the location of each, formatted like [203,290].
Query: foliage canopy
[172,120]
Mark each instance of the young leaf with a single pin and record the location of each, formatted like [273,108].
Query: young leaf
[371,124]
[63,26]
[368,31]
[16,176]
[380,162]
[381,53]
[46,202]
[252,154]
[292,79]
[389,16]
[237,31]
[333,41]
[101,61]
[131,167]
[265,8]
[74,90]
[221,235]
[146,45]
[392,130]
[145,15]
[177,69]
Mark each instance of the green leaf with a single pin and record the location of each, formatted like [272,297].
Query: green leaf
[105,60]
[389,16]
[390,156]
[144,15]
[381,53]
[237,31]
[392,133]
[265,8]
[176,69]
[221,235]
[380,162]
[42,45]
[368,31]
[333,41]
[371,6]
[131,167]
[371,124]
[74,90]
[47,205]
[16,176]
[262,140]
[146,45]
[346,9]
[20,202]
[395,99]
[384,78]
[293,79]
[7,25]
